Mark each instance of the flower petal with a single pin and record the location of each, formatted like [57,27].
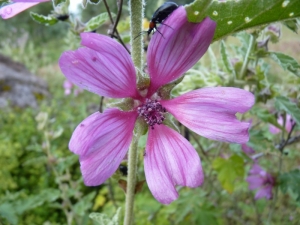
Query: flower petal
[103,67]
[264,192]
[102,141]
[110,129]
[13,9]
[210,112]
[255,181]
[170,160]
[179,47]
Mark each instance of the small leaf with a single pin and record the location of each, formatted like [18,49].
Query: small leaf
[283,103]
[292,25]
[290,180]
[8,212]
[103,219]
[233,16]
[286,62]
[96,21]
[139,186]
[226,60]
[94,2]
[45,20]
[123,185]
[229,170]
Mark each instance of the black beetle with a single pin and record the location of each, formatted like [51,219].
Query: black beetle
[159,16]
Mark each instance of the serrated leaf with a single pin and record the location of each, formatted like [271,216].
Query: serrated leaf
[286,62]
[226,60]
[229,170]
[283,103]
[97,21]
[45,20]
[33,201]
[233,16]
[103,219]
[290,181]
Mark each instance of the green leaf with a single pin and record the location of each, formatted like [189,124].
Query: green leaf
[7,211]
[85,203]
[226,60]
[265,115]
[229,170]
[286,62]
[45,20]
[97,21]
[33,201]
[283,103]
[290,181]
[103,219]
[233,16]
[292,25]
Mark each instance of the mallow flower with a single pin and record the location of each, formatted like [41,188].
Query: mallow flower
[289,122]
[261,180]
[18,6]
[104,67]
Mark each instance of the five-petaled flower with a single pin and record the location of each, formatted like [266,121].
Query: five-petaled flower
[17,7]
[101,140]
[261,180]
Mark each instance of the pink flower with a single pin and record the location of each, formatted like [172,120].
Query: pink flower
[68,85]
[261,180]
[17,7]
[101,140]
[288,124]
[247,149]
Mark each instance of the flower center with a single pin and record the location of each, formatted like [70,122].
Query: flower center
[152,111]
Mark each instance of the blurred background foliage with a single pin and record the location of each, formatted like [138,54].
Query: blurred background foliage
[40,180]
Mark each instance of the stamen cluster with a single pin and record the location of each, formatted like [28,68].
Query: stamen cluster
[152,111]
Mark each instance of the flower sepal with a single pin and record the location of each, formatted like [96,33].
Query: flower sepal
[141,127]
[165,91]
[125,104]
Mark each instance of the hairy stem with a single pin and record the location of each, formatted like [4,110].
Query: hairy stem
[131,181]
[136,8]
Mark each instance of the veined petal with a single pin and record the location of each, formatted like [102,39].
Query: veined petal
[13,9]
[179,47]
[102,141]
[210,112]
[109,131]
[103,67]
[170,160]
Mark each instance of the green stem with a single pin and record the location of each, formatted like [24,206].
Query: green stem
[131,181]
[136,8]
[136,24]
